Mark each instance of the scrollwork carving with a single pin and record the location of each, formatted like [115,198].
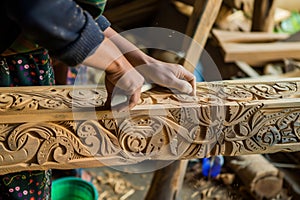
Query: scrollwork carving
[227,118]
[43,142]
[51,98]
[98,140]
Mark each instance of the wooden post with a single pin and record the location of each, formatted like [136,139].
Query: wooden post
[199,27]
[263,15]
[167,182]
[237,4]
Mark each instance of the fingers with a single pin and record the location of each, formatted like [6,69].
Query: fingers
[186,81]
[122,102]
[134,99]
[123,90]
[181,85]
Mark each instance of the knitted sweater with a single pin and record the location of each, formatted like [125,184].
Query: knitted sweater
[69,29]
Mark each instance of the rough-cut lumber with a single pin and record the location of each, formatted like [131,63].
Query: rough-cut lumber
[247,69]
[256,47]
[238,4]
[260,52]
[64,127]
[167,182]
[289,165]
[263,15]
[261,178]
[246,37]
[207,12]
[199,26]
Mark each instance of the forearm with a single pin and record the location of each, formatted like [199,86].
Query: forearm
[105,56]
[133,54]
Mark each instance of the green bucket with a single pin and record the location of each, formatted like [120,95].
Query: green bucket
[73,188]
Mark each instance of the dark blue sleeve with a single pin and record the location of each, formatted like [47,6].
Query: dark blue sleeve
[61,26]
[103,23]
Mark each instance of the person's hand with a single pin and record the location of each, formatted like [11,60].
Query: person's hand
[168,75]
[121,77]
[172,76]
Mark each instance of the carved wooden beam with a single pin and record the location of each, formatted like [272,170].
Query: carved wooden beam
[64,127]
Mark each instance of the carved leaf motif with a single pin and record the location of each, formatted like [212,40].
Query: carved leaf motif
[236,94]
[296,127]
[252,146]
[51,104]
[240,112]
[273,91]
[52,136]
[151,136]
[98,140]
[286,87]
[269,137]
[23,154]
[4,131]
[87,98]
[61,148]
[135,134]
[6,101]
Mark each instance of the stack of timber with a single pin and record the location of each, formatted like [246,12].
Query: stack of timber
[256,48]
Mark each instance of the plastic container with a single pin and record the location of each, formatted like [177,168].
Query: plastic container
[73,188]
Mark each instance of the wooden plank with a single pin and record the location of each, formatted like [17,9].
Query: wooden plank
[238,4]
[201,33]
[263,15]
[65,127]
[260,52]
[167,182]
[199,26]
[166,186]
[247,69]
[195,18]
[247,37]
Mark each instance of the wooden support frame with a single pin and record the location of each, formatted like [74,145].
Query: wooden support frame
[199,26]
[263,15]
[64,127]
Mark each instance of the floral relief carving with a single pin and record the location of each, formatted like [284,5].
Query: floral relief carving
[225,118]
[52,98]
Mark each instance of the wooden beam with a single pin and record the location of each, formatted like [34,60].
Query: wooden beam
[199,27]
[167,182]
[263,15]
[256,47]
[253,53]
[247,69]
[247,37]
[238,4]
[64,127]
